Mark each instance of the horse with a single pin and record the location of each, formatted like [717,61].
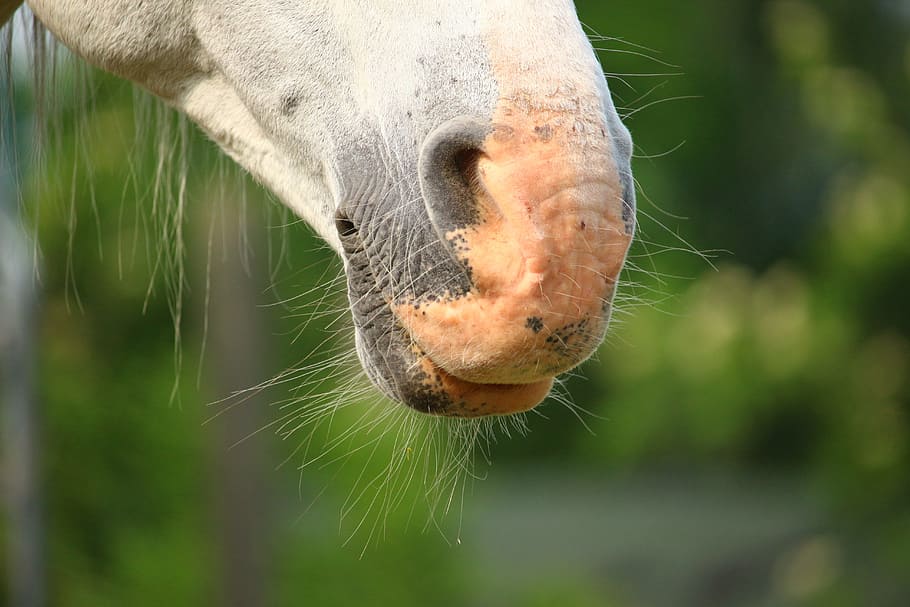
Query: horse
[464,159]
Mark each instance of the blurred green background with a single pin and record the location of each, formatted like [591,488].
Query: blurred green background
[744,438]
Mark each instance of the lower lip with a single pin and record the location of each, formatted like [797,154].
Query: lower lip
[471,399]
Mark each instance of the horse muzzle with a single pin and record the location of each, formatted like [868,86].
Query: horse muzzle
[532,210]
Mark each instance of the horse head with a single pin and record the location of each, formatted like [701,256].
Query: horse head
[463,157]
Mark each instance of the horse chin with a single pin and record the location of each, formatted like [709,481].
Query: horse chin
[406,374]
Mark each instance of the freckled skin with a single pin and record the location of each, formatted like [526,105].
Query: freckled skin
[549,244]
[542,246]
[553,223]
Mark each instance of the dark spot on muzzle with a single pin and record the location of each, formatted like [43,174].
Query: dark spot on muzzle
[290,103]
[535,323]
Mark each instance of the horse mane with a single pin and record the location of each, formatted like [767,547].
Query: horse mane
[41,57]
[59,80]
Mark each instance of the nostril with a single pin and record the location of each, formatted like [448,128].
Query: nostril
[348,233]
[465,164]
[448,173]
[346,228]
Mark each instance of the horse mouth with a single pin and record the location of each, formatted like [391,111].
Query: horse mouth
[404,372]
[457,397]
[464,356]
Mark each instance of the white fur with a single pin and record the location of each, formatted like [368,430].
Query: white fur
[365,74]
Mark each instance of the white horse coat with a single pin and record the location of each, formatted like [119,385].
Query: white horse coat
[463,157]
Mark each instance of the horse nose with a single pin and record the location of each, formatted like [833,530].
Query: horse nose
[533,210]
